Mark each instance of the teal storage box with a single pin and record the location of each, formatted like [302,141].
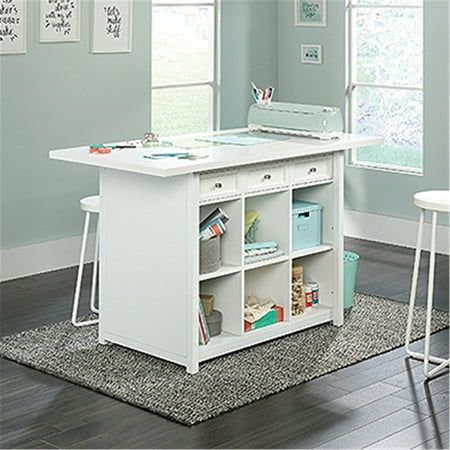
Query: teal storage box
[306,225]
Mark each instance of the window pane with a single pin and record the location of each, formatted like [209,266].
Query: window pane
[397,116]
[182,110]
[389,46]
[182,45]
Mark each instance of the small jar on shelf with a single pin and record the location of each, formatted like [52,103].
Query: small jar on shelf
[314,293]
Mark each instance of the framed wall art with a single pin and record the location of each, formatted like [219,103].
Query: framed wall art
[113,26]
[311,13]
[13,26]
[311,54]
[59,20]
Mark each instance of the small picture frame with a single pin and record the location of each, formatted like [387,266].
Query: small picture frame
[311,13]
[59,21]
[112,29]
[13,27]
[311,54]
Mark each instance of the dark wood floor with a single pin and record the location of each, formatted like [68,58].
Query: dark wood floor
[381,402]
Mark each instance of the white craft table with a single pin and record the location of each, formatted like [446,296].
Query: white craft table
[149,263]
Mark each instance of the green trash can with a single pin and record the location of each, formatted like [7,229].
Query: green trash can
[350,268]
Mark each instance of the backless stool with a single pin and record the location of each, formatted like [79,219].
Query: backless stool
[434,201]
[91,205]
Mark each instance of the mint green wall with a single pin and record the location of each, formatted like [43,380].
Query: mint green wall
[366,190]
[249,52]
[60,95]
[309,83]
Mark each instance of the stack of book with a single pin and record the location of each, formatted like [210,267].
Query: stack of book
[204,335]
[213,225]
[260,251]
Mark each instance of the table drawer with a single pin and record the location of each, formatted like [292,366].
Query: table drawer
[218,184]
[310,170]
[266,177]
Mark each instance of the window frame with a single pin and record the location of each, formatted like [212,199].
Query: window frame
[352,84]
[214,83]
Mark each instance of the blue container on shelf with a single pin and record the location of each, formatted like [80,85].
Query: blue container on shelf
[306,225]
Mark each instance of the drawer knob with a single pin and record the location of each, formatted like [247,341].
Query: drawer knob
[267,176]
[312,170]
[218,185]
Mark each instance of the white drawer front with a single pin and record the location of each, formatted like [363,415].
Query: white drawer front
[312,170]
[218,184]
[266,177]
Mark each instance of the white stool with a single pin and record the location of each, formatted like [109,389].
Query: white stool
[91,205]
[435,201]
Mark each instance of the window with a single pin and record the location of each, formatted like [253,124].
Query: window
[385,94]
[184,81]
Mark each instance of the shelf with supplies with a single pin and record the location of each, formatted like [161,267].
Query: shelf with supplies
[268,233]
[314,217]
[313,286]
[266,229]
[220,307]
[220,238]
[267,293]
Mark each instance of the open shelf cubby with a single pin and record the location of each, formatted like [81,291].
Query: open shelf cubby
[270,282]
[231,242]
[323,195]
[319,268]
[227,292]
[273,210]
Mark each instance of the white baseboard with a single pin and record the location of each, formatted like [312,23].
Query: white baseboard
[43,257]
[391,230]
[53,255]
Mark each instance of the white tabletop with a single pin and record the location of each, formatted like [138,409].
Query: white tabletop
[217,156]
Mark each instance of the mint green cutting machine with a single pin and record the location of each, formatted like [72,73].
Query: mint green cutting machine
[320,122]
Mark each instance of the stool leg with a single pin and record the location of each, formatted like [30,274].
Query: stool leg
[95,269]
[430,294]
[76,300]
[426,357]
[412,299]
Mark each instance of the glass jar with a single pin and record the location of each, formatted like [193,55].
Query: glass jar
[298,291]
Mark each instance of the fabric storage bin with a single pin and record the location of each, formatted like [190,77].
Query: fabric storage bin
[214,322]
[210,255]
[306,225]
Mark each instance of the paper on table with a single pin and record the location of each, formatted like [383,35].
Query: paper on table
[191,144]
[244,139]
[174,153]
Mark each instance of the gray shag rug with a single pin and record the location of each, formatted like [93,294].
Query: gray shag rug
[373,326]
